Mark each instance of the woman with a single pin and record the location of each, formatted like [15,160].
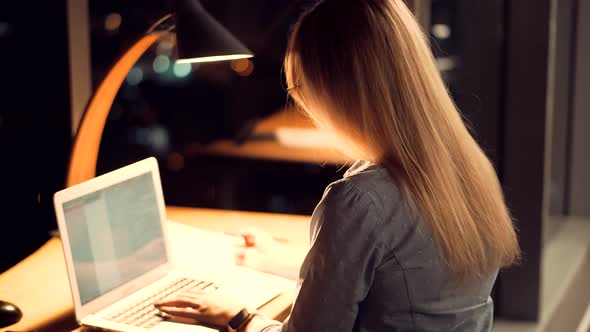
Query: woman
[412,238]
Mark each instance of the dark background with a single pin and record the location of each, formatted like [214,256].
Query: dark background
[34,123]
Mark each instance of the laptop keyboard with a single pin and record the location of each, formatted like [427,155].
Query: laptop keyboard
[143,313]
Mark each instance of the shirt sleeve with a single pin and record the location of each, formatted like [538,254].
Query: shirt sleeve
[338,270]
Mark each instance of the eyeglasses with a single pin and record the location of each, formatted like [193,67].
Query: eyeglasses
[289,89]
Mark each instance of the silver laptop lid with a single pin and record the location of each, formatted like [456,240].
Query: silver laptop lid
[113,234]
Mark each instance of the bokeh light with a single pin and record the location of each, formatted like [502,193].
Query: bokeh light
[182,70]
[165,47]
[175,161]
[441,31]
[135,76]
[113,22]
[242,67]
[161,64]
[4,29]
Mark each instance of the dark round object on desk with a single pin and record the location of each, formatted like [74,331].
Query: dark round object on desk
[9,314]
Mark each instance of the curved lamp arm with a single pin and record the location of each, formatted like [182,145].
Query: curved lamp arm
[213,43]
[84,153]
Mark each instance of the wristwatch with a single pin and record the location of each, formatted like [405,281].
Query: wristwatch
[239,320]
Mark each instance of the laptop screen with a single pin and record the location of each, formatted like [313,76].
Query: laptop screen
[115,235]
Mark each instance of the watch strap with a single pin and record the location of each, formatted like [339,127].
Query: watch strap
[242,317]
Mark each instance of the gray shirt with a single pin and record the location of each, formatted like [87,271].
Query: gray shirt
[374,266]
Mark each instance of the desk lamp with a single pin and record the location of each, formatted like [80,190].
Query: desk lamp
[199,38]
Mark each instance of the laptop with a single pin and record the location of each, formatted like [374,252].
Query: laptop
[113,229]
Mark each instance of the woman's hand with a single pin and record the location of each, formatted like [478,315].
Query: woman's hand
[197,306]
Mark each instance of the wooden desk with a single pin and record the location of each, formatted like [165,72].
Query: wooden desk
[272,150]
[39,284]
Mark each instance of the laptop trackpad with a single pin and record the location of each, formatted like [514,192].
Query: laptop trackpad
[177,327]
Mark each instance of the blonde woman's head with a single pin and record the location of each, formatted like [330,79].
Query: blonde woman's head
[363,70]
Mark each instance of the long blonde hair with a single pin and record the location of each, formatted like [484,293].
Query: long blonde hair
[364,69]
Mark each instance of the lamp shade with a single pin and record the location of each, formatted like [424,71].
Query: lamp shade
[201,38]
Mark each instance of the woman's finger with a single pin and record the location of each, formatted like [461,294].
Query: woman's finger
[181,302]
[183,312]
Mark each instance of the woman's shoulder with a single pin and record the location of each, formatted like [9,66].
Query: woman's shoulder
[371,180]
[369,202]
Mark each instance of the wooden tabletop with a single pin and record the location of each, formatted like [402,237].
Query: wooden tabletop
[272,149]
[39,284]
